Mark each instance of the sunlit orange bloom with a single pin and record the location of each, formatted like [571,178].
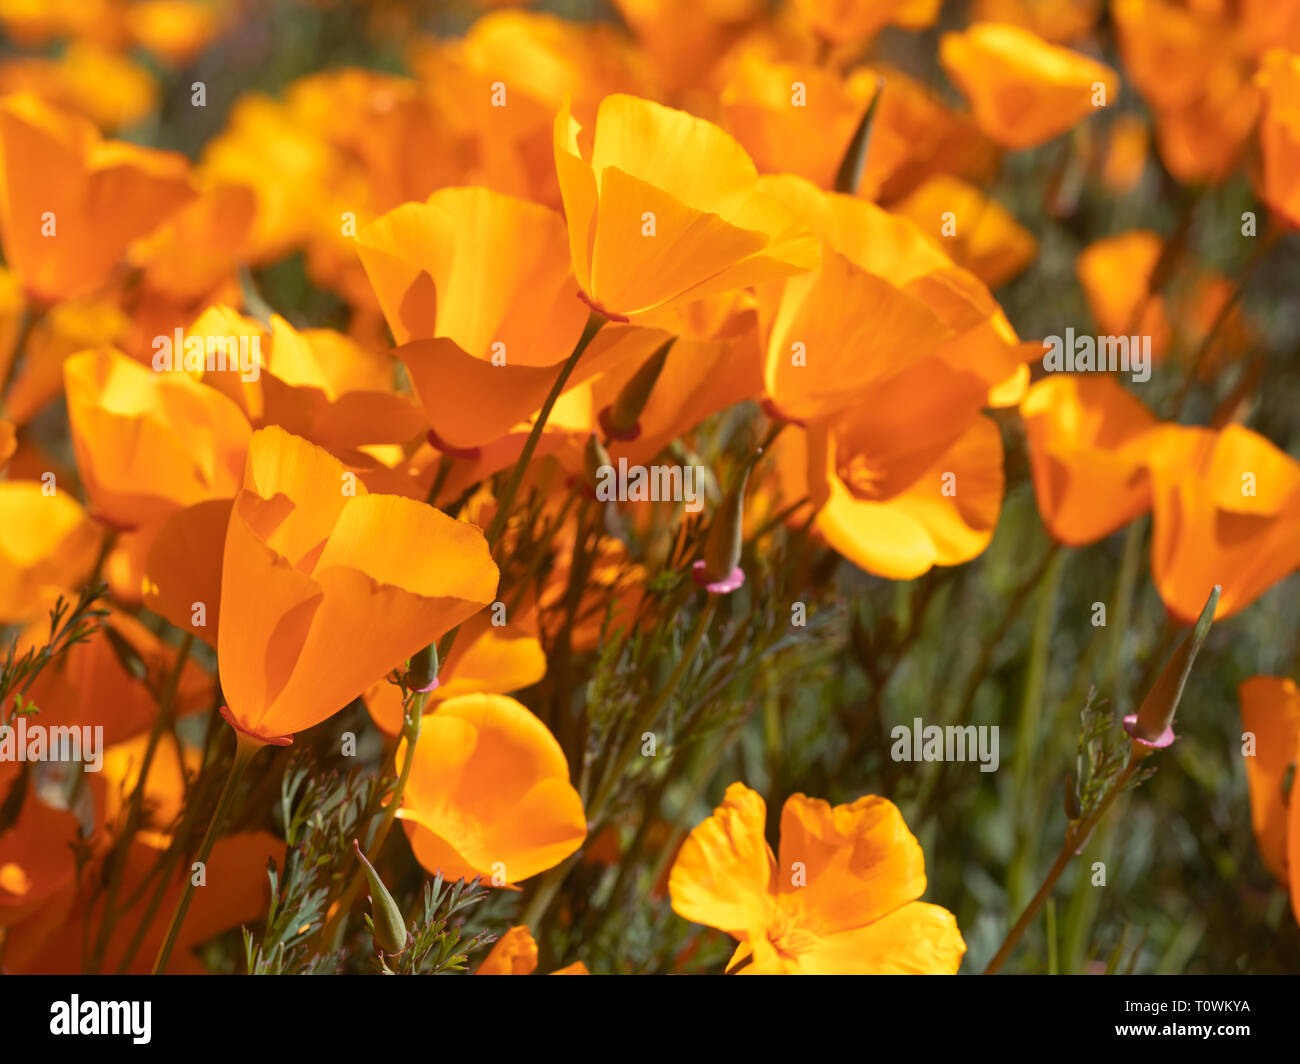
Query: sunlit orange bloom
[51,941]
[94,685]
[883,299]
[1207,139]
[176,30]
[32,22]
[485,270]
[49,546]
[497,90]
[1227,511]
[664,208]
[1089,443]
[164,793]
[1128,145]
[1023,90]
[485,659]
[181,578]
[1115,273]
[515,953]
[489,794]
[70,203]
[326,588]
[908,478]
[148,443]
[841,899]
[1270,712]
[979,233]
[105,86]
[915,134]
[684,39]
[1169,48]
[1057,21]
[265,148]
[1279,133]
[795,117]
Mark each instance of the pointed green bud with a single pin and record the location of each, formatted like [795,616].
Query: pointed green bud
[719,570]
[849,175]
[387,924]
[422,676]
[621,420]
[1152,725]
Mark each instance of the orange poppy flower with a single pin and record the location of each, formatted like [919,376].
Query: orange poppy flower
[1115,272]
[1023,90]
[1270,711]
[1089,442]
[148,443]
[1279,133]
[1057,21]
[795,117]
[1227,511]
[36,860]
[841,900]
[326,588]
[49,546]
[908,478]
[489,793]
[854,21]
[664,208]
[979,233]
[104,85]
[882,300]
[515,953]
[71,203]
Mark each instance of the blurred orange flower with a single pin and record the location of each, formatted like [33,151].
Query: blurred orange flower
[70,203]
[515,953]
[1023,90]
[1270,712]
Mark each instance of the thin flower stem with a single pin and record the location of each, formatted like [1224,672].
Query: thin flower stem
[245,750]
[507,499]
[411,733]
[1076,838]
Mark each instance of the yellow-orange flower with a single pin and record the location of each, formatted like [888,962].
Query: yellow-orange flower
[489,793]
[1270,712]
[1227,512]
[49,546]
[1279,133]
[664,208]
[70,203]
[841,899]
[1023,90]
[515,953]
[1089,443]
[325,588]
[150,443]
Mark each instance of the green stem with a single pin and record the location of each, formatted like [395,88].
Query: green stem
[1076,838]
[506,501]
[245,749]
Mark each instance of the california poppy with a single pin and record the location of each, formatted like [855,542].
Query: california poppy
[1270,715]
[325,588]
[489,794]
[840,900]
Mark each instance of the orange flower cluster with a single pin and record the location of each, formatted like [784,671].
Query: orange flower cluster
[553,256]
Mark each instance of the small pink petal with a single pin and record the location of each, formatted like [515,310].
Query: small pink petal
[1167,739]
[725,586]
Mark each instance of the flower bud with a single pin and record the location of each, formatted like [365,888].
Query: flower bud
[1152,725]
[621,420]
[386,918]
[422,676]
[719,571]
